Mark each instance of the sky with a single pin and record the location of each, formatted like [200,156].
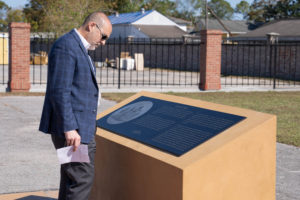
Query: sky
[21,3]
[15,3]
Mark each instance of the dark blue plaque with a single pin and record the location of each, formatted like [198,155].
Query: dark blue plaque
[168,126]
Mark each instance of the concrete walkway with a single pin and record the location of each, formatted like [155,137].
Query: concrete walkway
[155,80]
[29,163]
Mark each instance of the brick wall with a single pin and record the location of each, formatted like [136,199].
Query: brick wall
[210,60]
[19,57]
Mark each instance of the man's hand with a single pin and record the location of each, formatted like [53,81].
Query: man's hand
[73,139]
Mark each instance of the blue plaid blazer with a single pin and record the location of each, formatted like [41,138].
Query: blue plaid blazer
[72,92]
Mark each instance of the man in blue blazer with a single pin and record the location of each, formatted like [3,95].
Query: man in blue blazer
[70,106]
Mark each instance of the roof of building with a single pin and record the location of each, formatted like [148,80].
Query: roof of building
[238,26]
[128,18]
[285,27]
[180,21]
[156,31]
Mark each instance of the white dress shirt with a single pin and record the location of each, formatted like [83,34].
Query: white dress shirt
[85,43]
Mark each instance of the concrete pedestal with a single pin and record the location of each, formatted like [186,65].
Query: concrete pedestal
[237,164]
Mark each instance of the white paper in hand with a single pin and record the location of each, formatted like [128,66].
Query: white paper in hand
[66,154]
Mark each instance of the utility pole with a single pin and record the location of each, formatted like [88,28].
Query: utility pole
[206,16]
[219,20]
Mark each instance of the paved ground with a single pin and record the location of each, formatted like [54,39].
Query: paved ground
[28,159]
[29,163]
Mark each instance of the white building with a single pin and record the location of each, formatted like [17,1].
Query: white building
[144,24]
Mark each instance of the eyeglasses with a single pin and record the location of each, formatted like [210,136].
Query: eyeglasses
[104,37]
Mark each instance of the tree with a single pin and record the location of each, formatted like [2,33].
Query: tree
[221,8]
[257,10]
[124,6]
[282,9]
[243,8]
[295,8]
[189,9]
[267,10]
[165,7]
[15,15]
[3,10]
[34,14]
[61,15]
[8,15]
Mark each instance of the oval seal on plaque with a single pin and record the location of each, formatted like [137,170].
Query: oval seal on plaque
[129,112]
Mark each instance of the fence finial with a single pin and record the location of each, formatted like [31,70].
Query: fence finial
[272,37]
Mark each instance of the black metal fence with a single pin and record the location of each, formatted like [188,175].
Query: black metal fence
[125,62]
[250,63]
[148,62]
[40,46]
[4,58]
[176,62]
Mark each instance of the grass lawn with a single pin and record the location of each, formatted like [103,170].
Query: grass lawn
[286,105]
[5,94]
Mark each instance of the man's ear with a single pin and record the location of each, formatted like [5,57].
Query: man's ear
[88,27]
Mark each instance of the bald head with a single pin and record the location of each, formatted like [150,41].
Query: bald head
[96,28]
[98,17]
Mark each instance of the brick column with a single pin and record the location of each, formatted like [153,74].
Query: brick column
[19,57]
[210,60]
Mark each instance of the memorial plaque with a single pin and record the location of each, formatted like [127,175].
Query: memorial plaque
[171,127]
[163,153]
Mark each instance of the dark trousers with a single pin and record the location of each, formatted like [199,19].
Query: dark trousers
[76,179]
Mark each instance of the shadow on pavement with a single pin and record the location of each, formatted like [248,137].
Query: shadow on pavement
[34,197]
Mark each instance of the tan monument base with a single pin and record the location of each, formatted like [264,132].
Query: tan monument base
[237,164]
